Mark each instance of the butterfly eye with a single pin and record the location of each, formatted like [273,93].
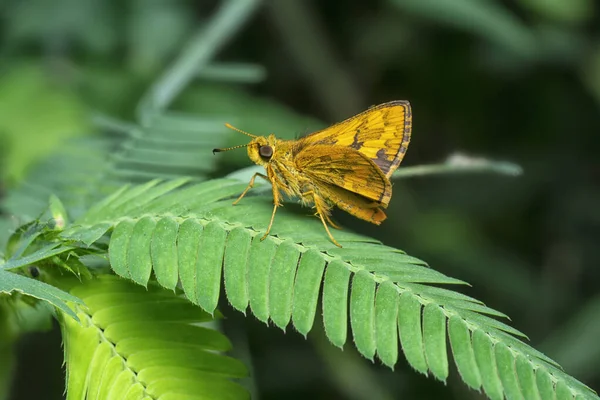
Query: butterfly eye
[265,152]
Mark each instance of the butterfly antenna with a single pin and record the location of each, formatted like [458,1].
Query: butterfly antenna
[229,148]
[234,147]
[239,130]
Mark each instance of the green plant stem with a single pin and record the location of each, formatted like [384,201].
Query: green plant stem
[201,49]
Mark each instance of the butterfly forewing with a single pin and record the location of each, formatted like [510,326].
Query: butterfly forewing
[382,133]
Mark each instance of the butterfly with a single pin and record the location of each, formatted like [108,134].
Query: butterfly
[347,165]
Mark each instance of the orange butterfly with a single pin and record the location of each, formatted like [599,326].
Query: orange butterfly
[347,165]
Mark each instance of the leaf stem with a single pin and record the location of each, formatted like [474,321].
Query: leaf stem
[461,164]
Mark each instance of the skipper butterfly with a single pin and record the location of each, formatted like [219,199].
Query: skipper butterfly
[347,165]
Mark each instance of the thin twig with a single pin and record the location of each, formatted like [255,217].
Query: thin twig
[461,164]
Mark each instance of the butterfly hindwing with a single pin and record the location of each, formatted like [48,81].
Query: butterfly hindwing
[345,168]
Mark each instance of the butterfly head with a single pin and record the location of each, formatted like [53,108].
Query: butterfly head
[260,149]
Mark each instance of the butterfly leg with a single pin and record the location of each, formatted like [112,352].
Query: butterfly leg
[330,222]
[250,185]
[326,214]
[276,204]
[323,213]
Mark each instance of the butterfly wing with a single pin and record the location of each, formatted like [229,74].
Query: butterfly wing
[345,168]
[356,204]
[382,133]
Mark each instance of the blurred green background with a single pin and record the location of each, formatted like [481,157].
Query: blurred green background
[515,80]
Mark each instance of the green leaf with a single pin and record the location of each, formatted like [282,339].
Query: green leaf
[144,342]
[138,250]
[411,333]
[190,233]
[261,257]
[209,265]
[545,385]
[200,237]
[306,290]
[462,348]
[41,254]
[335,303]
[118,250]
[563,392]
[386,328]
[281,290]
[486,360]
[11,283]
[526,377]
[362,313]
[236,267]
[163,251]
[434,340]
[507,370]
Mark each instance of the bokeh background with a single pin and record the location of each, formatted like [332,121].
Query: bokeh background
[515,80]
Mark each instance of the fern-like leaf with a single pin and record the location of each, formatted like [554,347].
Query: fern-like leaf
[15,283]
[89,168]
[145,344]
[194,234]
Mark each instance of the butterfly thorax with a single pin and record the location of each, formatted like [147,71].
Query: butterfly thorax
[278,158]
